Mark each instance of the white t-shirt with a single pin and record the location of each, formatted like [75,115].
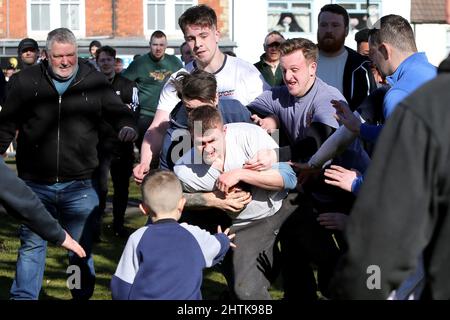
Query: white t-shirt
[243,141]
[236,79]
[331,70]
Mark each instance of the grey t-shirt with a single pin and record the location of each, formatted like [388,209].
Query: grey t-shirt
[243,141]
[296,114]
[331,69]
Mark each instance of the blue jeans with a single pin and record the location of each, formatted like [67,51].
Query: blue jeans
[72,204]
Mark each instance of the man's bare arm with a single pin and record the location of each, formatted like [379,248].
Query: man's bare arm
[151,145]
[232,202]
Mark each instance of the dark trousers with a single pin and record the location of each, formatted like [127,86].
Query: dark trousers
[249,269]
[306,244]
[120,164]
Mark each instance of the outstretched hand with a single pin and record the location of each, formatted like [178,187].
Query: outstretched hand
[346,116]
[140,171]
[234,201]
[226,232]
[74,246]
[269,123]
[228,180]
[263,160]
[341,177]
[333,220]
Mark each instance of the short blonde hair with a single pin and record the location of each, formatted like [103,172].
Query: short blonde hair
[161,191]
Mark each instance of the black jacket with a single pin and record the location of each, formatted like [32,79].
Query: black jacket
[128,93]
[358,81]
[22,203]
[3,84]
[403,208]
[58,135]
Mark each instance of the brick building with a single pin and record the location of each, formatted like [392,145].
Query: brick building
[127,24]
[123,24]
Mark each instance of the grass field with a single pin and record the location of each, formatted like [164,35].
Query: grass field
[106,256]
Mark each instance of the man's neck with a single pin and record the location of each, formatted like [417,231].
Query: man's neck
[215,64]
[397,59]
[25,65]
[111,76]
[271,62]
[154,58]
[333,54]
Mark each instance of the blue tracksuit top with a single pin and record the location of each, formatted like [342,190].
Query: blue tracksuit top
[412,73]
[165,261]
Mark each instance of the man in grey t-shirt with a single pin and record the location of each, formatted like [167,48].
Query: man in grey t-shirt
[216,163]
[304,112]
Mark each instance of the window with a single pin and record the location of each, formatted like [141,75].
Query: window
[289,16]
[46,15]
[448,41]
[180,7]
[163,15]
[155,14]
[40,15]
[70,16]
[361,16]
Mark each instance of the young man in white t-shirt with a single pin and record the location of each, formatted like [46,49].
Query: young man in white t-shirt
[236,78]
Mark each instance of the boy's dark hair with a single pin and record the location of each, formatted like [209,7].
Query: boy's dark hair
[198,15]
[110,51]
[336,9]
[209,117]
[199,85]
[395,30]
[309,48]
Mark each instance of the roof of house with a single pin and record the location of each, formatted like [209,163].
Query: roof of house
[428,11]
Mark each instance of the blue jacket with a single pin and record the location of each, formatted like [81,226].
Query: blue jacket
[412,73]
[165,261]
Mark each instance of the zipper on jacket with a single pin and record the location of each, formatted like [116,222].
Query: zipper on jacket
[57,142]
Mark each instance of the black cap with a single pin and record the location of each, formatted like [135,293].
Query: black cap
[27,43]
[362,35]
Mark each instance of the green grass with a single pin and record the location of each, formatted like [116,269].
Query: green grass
[106,256]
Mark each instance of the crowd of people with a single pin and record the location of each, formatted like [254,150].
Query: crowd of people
[318,162]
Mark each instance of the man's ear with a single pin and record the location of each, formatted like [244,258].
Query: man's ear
[347,29]
[143,209]
[385,50]
[312,68]
[217,34]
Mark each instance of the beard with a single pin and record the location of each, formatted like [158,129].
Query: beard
[331,44]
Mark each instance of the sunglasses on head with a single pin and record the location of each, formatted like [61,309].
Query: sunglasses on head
[274,44]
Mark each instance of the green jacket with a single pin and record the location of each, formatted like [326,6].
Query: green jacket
[150,76]
[266,71]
